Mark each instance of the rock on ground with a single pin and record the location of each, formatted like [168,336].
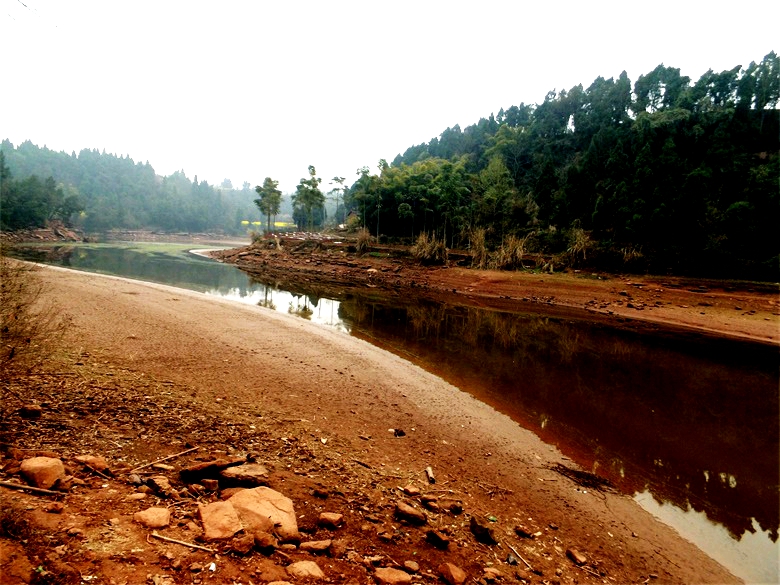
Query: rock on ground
[43,472]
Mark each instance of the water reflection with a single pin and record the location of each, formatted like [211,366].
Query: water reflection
[693,420]
[688,423]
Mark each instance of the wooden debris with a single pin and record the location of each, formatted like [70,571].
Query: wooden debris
[35,490]
[181,542]
[164,459]
[519,556]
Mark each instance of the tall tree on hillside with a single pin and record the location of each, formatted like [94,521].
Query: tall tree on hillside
[342,190]
[308,199]
[270,199]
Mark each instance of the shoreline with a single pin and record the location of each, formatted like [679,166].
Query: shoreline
[346,389]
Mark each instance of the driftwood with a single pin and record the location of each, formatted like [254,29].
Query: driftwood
[35,490]
[519,556]
[164,459]
[181,542]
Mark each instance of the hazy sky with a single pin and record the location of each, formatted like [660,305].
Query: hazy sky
[245,90]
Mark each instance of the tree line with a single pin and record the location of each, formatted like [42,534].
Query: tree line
[667,176]
[103,191]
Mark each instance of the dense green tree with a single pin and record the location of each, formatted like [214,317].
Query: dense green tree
[309,201]
[270,199]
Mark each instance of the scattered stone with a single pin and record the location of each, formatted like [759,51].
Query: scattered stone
[452,574]
[330,520]
[412,566]
[437,539]
[208,469]
[320,493]
[337,549]
[248,474]
[42,472]
[265,510]
[430,502]
[316,546]
[163,467]
[482,531]
[219,520]
[196,567]
[242,544]
[162,486]
[523,532]
[491,574]
[228,493]
[210,485]
[454,507]
[412,490]
[265,542]
[576,557]
[390,576]
[96,463]
[31,411]
[55,508]
[135,497]
[153,517]
[306,570]
[135,479]
[412,515]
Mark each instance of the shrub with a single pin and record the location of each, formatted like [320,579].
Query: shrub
[509,256]
[429,250]
[27,326]
[363,241]
[479,252]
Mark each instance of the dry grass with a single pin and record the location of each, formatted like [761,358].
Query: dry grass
[363,243]
[28,327]
[509,256]
[479,252]
[429,250]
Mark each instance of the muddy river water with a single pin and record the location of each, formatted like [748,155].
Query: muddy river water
[686,424]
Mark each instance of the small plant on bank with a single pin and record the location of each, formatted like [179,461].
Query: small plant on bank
[429,250]
[479,251]
[509,256]
[363,241]
[27,326]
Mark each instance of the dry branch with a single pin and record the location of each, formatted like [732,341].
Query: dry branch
[35,490]
[181,542]
[165,459]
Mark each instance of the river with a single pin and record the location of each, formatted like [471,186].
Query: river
[685,424]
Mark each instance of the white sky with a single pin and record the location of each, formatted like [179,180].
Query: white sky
[245,90]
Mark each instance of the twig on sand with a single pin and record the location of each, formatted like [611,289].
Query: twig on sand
[35,490]
[519,556]
[165,459]
[181,542]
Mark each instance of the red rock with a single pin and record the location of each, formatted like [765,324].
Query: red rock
[219,520]
[576,556]
[153,517]
[96,463]
[43,472]
[452,574]
[306,570]
[330,520]
[266,510]
[315,546]
[390,576]
[412,515]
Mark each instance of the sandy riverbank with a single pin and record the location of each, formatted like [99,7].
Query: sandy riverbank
[262,371]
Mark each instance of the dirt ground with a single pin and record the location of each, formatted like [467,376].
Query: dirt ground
[147,372]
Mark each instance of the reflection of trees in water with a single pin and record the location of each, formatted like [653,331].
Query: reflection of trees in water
[303,311]
[630,400]
[268,299]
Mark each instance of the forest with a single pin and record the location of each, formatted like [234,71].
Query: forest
[665,175]
[105,191]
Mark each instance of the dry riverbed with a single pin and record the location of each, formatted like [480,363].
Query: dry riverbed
[147,372]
